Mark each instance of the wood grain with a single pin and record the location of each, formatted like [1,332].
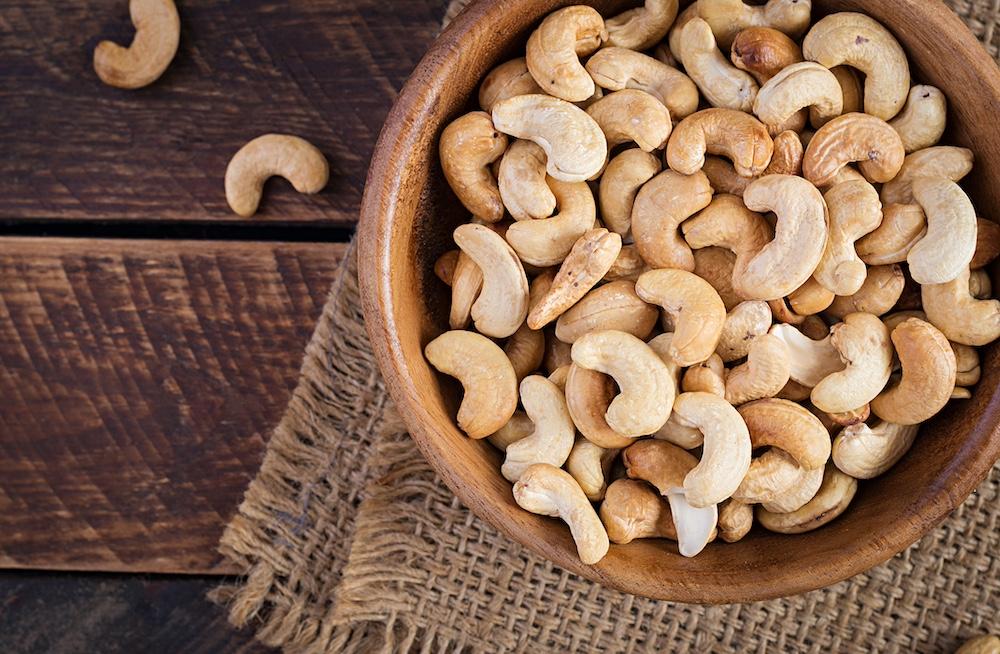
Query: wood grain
[140,380]
[73,148]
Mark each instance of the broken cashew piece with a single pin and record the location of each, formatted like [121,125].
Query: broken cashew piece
[552,438]
[878,294]
[790,427]
[942,161]
[612,306]
[503,301]
[863,343]
[726,455]
[764,374]
[620,68]
[849,138]
[832,499]
[922,121]
[865,452]
[696,310]
[729,17]
[947,248]
[929,371]
[764,52]
[507,80]
[855,211]
[661,205]
[555,48]
[903,225]
[590,464]
[486,375]
[632,116]
[796,87]
[284,155]
[643,27]
[632,510]
[744,323]
[522,182]
[547,242]
[620,184]
[157,35]
[722,84]
[736,135]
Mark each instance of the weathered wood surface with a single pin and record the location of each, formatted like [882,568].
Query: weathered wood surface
[139,382]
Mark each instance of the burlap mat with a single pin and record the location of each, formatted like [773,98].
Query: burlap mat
[351,543]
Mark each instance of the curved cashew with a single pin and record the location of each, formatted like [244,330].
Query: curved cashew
[744,323]
[715,266]
[987,243]
[902,226]
[764,52]
[554,50]
[696,310]
[723,178]
[503,301]
[859,41]
[574,145]
[467,281]
[525,348]
[942,161]
[589,260]
[629,264]
[590,464]
[486,375]
[619,68]
[735,520]
[808,300]
[922,121]
[612,306]
[673,37]
[620,183]
[788,426]
[507,80]
[723,84]
[552,438]
[854,137]
[811,360]
[661,205]
[881,291]
[547,490]
[706,377]
[729,17]
[799,493]
[726,455]
[863,343]
[468,146]
[772,474]
[843,419]
[798,86]
[548,241]
[947,249]
[786,160]
[631,510]
[522,182]
[157,35]
[646,384]
[865,452]
[850,92]
[855,210]
[733,134]
[980,286]
[291,157]
[832,499]
[588,395]
[632,116]
[643,27]
[519,426]
[764,374]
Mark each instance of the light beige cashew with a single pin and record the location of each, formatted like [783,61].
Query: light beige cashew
[929,372]
[980,645]
[522,182]
[589,260]
[643,27]
[902,226]
[980,286]
[723,178]
[507,80]
[940,161]
[987,243]
[722,84]
[660,207]
[771,475]
[961,394]
[695,308]
[620,68]
[706,377]
[632,509]
[612,306]
[468,146]
[486,375]
[863,343]
[947,248]
[735,520]
[764,52]
[556,353]
[832,499]
[444,267]
[620,183]
[525,348]
[967,365]
[744,323]
[467,281]
[786,425]
[798,86]
[715,266]
[663,54]
[574,145]
[860,41]
[851,94]
[807,300]
[590,465]
[555,47]
[559,377]
[865,452]
[738,136]
[799,493]
[896,318]
[853,137]
[764,374]
[552,438]
[157,35]
[634,116]
[726,450]
[881,291]
[685,17]
[811,360]
[676,430]
[519,426]
[588,395]
[629,264]
[642,406]
[661,345]
[291,157]
[787,262]
[546,490]
[546,242]
[502,304]
[729,17]
[855,211]
[922,121]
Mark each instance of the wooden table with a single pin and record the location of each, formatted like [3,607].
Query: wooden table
[150,338]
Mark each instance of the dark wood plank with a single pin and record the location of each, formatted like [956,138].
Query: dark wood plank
[73,148]
[140,381]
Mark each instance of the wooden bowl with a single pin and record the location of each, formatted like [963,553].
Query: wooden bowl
[407,218]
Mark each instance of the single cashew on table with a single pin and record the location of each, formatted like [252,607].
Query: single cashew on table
[718,269]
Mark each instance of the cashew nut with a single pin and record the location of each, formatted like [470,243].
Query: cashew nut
[832,499]
[723,84]
[764,374]
[547,490]
[661,205]
[980,645]
[632,509]
[865,452]
[807,300]
[811,360]
[850,92]
[695,308]
[922,121]
[555,47]
[552,438]
[942,161]
[723,178]
[987,243]
[468,146]
[980,286]
[590,464]
[729,17]
[947,249]
[612,306]
[733,134]
[522,182]
[620,183]
[629,264]
[503,301]
[519,426]
[673,37]
[287,156]
[788,154]
[507,80]
[881,291]
[788,426]
[735,520]
[744,323]
[619,68]
[798,86]
[556,353]
[486,375]
[632,116]
[574,145]
[525,348]
[157,35]
[715,266]
[855,210]
[546,242]
[770,475]
[643,27]
[967,366]
[764,52]
[588,395]
[863,343]
[799,493]
[902,226]
[444,267]
[467,281]
[854,137]
[706,377]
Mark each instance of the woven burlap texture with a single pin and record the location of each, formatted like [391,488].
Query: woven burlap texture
[410,568]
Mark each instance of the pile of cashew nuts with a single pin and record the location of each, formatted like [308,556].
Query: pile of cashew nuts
[777,289]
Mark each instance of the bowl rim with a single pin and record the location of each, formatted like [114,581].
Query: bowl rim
[379,212]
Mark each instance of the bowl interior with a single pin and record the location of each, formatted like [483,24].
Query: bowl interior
[407,219]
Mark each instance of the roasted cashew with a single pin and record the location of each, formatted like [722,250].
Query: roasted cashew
[832,499]
[661,205]
[620,183]
[574,145]
[722,84]
[771,475]
[643,27]
[799,493]
[851,95]
[519,426]
[735,520]
[444,266]
[503,301]
[157,35]
[547,490]
[590,464]
[619,68]
[287,156]
[980,286]
[468,146]
[629,264]
[726,455]
[844,418]
[808,300]
[946,250]
[798,86]
[612,306]
[786,160]
[522,182]
[794,391]
[863,343]
[632,509]
[548,241]
[764,374]
[860,41]
[673,37]
[695,308]
[855,211]
[967,366]
[467,281]
[792,428]
[729,17]
[554,50]
[764,52]
[736,135]
[632,115]
[865,452]
[723,178]
[881,291]
[559,377]
[486,375]
[557,353]
[853,137]
[922,121]
[902,226]
[507,80]
[525,348]
[811,360]
[744,323]
[987,243]
[942,161]
[552,438]
[715,266]
[588,395]
[706,377]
